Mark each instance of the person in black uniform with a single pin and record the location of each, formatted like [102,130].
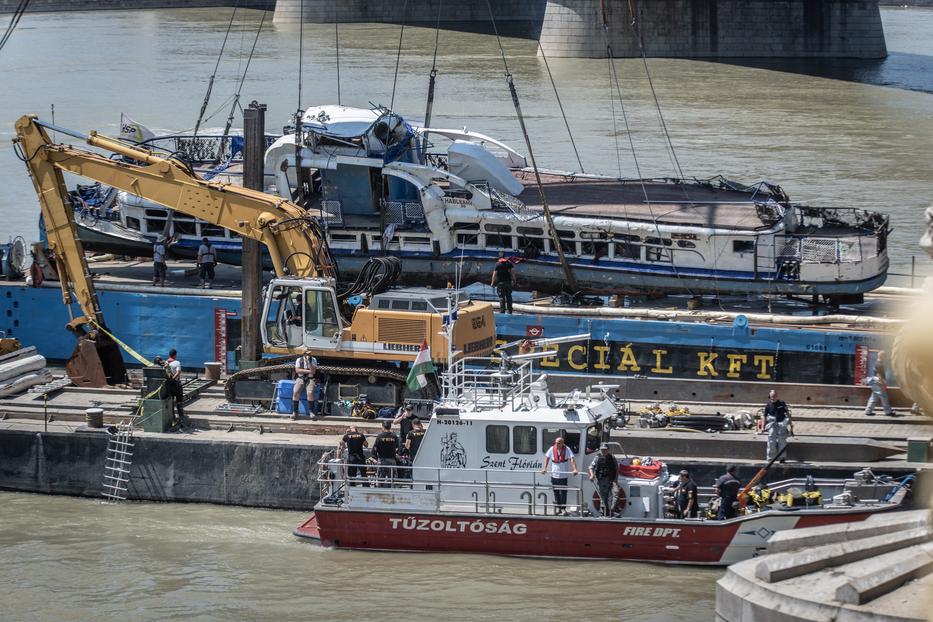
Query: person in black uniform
[727,489]
[406,416]
[503,279]
[685,496]
[352,445]
[604,470]
[777,424]
[414,438]
[386,448]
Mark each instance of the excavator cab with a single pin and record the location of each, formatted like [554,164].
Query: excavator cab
[301,313]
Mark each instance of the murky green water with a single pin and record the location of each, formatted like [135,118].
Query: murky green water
[840,140]
[67,559]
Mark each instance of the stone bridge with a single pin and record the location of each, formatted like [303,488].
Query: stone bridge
[575,28]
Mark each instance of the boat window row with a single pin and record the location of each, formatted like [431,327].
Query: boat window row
[524,439]
[155,220]
[533,241]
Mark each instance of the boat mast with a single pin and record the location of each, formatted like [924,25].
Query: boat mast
[431,82]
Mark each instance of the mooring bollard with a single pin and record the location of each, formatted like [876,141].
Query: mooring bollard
[94,417]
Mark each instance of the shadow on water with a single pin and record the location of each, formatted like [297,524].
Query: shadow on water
[901,70]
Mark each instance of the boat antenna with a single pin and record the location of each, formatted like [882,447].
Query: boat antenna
[337,50]
[210,83]
[398,55]
[429,108]
[568,272]
[560,106]
[239,89]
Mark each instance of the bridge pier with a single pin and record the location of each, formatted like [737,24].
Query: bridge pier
[669,28]
[714,28]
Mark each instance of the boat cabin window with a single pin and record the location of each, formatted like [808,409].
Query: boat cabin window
[186,227]
[132,223]
[400,305]
[497,439]
[596,249]
[657,253]
[320,313]
[471,239]
[530,230]
[571,438]
[743,246]
[498,228]
[465,226]
[625,250]
[211,231]
[498,240]
[593,438]
[685,244]
[419,305]
[525,439]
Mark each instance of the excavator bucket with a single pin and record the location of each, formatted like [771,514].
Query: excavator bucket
[96,361]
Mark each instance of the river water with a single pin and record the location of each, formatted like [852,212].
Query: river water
[67,559]
[841,133]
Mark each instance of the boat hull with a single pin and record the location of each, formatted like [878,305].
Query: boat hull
[666,541]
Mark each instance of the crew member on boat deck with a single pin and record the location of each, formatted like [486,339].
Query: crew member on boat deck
[305,369]
[504,279]
[207,259]
[604,470]
[685,496]
[386,448]
[727,489]
[406,416]
[414,438]
[158,262]
[777,424]
[878,384]
[560,459]
[352,445]
[173,370]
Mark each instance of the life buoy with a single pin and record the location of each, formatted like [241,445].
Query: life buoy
[617,507]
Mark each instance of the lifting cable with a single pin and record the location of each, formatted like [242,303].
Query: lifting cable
[429,108]
[236,96]
[561,106]
[337,49]
[568,272]
[398,55]
[14,21]
[644,59]
[302,184]
[210,83]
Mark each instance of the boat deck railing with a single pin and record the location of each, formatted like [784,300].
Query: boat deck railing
[483,383]
[478,491]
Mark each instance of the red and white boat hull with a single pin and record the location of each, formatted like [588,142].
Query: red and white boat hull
[668,541]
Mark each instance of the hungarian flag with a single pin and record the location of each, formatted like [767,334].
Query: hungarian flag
[418,376]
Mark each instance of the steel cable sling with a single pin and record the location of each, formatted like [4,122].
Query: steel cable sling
[568,272]
[14,22]
[210,83]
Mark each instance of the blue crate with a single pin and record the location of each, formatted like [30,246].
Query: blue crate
[283,402]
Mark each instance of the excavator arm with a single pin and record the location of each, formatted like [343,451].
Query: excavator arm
[291,236]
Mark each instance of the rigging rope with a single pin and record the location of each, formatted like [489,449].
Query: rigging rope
[337,49]
[14,21]
[644,59]
[561,106]
[236,95]
[398,56]
[210,83]
[568,272]
[429,107]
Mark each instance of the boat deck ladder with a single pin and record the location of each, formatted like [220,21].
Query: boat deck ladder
[118,463]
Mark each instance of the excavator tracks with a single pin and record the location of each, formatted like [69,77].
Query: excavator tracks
[265,372]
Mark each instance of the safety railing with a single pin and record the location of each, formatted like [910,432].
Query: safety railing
[482,491]
[473,382]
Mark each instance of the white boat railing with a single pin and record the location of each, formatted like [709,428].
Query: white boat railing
[481,491]
[484,383]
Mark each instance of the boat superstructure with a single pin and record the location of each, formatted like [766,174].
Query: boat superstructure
[440,198]
[476,485]
[448,201]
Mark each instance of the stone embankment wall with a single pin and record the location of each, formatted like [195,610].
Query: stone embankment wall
[270,475]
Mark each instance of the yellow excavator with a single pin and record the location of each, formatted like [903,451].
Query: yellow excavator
[362,348]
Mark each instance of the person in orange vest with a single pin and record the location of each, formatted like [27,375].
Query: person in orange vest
[560,458]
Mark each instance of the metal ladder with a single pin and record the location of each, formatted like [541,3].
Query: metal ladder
[118,463]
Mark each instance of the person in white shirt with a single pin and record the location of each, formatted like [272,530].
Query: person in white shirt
[560,458]
[173,370]
[158,262]
[305,369]
[207,259]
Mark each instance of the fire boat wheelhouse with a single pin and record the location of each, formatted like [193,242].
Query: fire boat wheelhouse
[476,486]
